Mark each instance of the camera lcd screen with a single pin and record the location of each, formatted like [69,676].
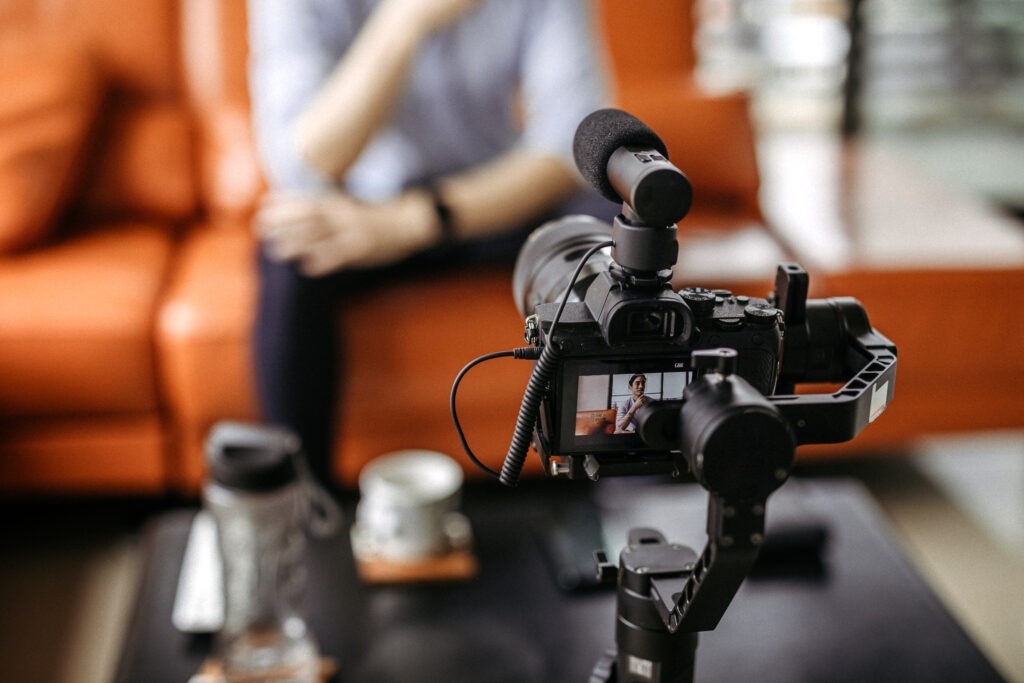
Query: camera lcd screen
[600,398]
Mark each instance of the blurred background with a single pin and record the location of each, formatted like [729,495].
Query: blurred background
[859,109]
[939,81]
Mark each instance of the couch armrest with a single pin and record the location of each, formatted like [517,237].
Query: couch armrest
[203,340]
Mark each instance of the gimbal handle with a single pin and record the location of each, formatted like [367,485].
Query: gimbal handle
[667,594]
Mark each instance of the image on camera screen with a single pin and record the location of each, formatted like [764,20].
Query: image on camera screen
[601,400]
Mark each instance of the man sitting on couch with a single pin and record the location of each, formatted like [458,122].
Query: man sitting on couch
[399,135]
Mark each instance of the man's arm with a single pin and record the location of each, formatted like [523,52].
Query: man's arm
[329,231]
[362,90]
[624,415]
[562,83]
[505,192]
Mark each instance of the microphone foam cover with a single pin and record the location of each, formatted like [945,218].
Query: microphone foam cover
[599,135]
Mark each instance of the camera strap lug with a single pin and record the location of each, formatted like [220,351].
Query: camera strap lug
[532,332]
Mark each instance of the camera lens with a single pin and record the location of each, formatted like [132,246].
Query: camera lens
[550,255]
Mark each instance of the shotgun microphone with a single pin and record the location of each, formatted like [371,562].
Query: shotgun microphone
[627,162]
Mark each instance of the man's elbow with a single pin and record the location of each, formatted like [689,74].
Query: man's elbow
[317,153]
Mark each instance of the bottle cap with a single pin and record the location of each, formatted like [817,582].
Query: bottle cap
[254,458]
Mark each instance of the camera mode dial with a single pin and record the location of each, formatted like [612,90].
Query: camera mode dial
[700,300]
[761,314]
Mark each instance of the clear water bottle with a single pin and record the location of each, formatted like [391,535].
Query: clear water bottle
[255,493]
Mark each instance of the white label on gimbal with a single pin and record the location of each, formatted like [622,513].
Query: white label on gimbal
[879,397]
[641,667]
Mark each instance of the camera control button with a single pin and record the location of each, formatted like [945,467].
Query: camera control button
[700,300]
[761,314]
[728,323]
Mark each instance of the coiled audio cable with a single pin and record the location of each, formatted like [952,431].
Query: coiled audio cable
[540,377]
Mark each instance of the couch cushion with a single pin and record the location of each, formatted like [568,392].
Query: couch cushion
[405,341]
[51,96]
[94,454]
[143,164]
[76,323]
[590,422]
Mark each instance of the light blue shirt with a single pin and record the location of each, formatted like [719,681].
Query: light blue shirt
[459,106]
[624,407]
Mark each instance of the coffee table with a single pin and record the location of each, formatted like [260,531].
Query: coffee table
[852,609]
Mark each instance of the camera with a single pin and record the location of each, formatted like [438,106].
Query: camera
[620,328]
[719,370]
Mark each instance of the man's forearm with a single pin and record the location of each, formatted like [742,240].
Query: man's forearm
[358,96]
[506,192]
[332,230]
[622,420]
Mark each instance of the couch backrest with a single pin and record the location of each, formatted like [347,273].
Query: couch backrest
[650,44]
[173,132]
[139,160]
[131,38]
[651,37]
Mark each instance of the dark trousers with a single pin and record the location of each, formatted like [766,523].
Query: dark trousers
[297,340]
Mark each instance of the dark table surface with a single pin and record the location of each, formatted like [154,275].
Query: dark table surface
[851,610]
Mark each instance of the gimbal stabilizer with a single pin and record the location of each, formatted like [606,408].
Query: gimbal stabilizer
[739,444]
[736,425]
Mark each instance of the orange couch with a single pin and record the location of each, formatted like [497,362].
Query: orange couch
[591,422]
[123,136]
[127,180]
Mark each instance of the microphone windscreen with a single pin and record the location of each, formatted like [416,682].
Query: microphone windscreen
[599,135]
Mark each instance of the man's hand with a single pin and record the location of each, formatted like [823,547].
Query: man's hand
[328,232]
[637,402]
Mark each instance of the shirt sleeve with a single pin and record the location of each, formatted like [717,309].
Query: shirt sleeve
[624,407]
[564,75]
[293,47]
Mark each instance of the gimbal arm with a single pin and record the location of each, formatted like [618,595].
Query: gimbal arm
[830,340]
[666,594]
[740,448]
[695,600]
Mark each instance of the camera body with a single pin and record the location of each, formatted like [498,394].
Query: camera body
[623,318]
[719,396]
[619,331]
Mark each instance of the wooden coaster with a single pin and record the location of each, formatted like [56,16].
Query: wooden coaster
[211,672]
[457,565]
